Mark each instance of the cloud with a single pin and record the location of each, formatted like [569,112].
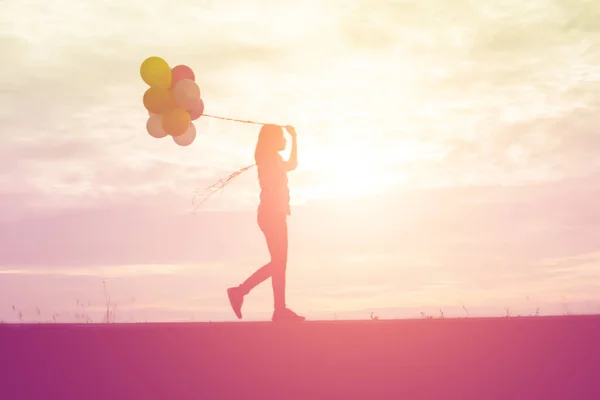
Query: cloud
[489,110]
[436,95]
[71,81]
[100,237]
[71,114]
[468,232]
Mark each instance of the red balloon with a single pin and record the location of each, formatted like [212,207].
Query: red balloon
[197,110]
[181,72]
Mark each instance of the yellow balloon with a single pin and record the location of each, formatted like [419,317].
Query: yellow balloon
[156,72]
[176,121]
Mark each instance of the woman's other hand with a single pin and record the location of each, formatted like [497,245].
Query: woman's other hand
[291,130]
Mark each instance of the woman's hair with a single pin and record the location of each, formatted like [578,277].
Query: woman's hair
[269,138]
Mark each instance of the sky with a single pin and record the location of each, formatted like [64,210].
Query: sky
[448,158]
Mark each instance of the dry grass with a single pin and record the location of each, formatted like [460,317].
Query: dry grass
[81,313]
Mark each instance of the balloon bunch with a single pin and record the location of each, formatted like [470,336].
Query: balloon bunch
[173,100]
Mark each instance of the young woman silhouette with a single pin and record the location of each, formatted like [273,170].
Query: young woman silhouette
[273,211]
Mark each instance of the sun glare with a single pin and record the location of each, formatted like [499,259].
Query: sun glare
[352,178]
[351,174]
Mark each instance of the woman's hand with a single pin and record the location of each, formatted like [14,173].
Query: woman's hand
[292,163]
[291,130]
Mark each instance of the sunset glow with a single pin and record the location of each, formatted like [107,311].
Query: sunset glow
[450,147]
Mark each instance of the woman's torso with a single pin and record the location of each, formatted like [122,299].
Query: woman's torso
[274,190]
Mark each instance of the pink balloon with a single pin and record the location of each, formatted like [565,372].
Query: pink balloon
[154,126]
[187,138]
[197,110]
[186,94]
[181,72]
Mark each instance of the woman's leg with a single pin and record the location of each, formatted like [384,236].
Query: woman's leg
[278,248]
[274,227]
[258,277]
[279,253]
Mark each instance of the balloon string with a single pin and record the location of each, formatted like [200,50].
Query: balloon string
[202,195]
[237,120]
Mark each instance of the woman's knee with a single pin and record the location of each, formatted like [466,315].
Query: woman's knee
[278,265]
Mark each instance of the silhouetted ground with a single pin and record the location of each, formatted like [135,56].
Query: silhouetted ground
[497,358]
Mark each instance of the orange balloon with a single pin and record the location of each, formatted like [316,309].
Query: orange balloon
[158,100]
[176,122]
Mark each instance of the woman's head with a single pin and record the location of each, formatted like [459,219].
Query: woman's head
[270,142]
